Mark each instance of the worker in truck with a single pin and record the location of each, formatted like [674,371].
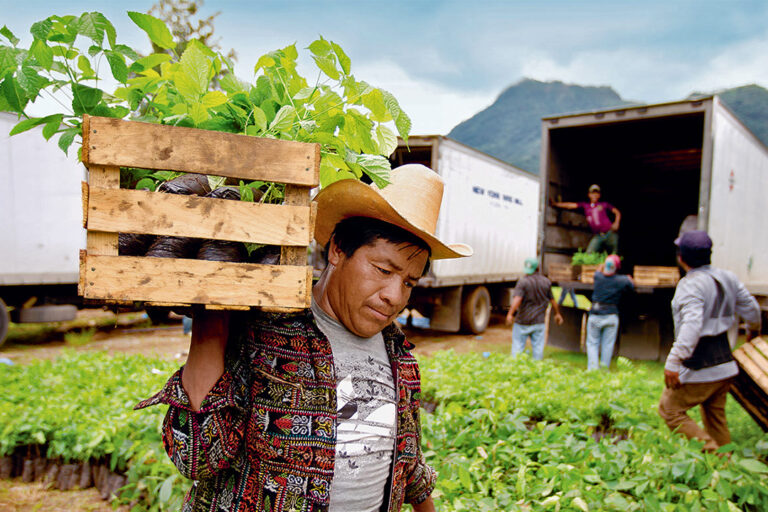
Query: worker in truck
[317,410]
[700,367]
[603,320]
[605,233]
[532,295]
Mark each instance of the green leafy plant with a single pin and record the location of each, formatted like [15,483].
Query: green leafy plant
[76,59]
[588,258]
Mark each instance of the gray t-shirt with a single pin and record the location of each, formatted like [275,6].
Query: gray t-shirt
[536,291]
[367,411]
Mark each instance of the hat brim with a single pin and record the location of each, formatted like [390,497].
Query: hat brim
[352,198]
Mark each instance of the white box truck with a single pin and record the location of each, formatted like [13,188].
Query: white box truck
[42,232]
[657,164]
[488,204]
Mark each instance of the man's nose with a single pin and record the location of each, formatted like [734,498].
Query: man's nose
[393,292]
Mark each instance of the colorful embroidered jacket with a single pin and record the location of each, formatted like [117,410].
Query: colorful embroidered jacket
[264,438]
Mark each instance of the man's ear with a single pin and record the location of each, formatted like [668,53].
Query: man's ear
[335,254]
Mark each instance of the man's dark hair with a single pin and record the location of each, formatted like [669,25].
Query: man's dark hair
[695,258]
[355,232]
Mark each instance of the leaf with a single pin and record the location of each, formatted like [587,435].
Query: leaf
[259,118]
[213,99]
[156,30]
[9,35]
[41,29]
[195,71]
[376,167]
[30,123]
[85,99]
[320,48]
[31,81]
[343,59]
[88,26]
[328,66]
[230,83]
[117,65]
[753,465]
[127,51]
[386,140]
[149,62]
[580,504]
[13,94]
[265,61]
[67,138]
[42,53]
[52,125]
[84,65]
[146,184]
[330,174]
[7,60]
[402,121]
[283,120]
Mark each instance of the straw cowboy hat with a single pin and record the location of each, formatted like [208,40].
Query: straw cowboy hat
[411,201]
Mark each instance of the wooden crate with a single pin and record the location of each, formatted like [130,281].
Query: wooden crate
[750,388]
[656,276]
[563,272]
[109,144]
[588,273]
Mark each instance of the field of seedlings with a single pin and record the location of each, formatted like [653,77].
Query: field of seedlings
[503,433]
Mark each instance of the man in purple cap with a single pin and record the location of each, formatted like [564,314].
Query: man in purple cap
[700,367]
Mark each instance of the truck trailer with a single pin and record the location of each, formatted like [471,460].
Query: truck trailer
[658,164]
[42,231]
[488,204]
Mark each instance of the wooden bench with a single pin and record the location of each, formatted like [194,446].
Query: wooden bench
[109,144]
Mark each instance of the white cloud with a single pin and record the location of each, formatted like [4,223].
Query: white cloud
[740,64]
[433,108]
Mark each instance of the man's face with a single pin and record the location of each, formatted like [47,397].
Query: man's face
[367,290]
[594,196]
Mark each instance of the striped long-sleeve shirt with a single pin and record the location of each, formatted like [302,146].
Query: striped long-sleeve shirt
[706,303]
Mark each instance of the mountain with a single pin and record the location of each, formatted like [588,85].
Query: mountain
[510,129]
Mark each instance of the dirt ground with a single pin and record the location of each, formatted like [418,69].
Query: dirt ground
[127,333]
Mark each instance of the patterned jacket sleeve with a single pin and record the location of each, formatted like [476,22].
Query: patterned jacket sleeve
[422,479]
[202,443]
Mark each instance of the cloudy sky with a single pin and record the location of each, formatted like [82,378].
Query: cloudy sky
[446,60]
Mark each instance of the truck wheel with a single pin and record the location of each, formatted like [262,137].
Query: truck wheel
[476,310]
[5,320]
[41,314]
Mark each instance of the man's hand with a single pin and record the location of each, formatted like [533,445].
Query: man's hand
[752,334]
[615,226]
[510,318]
[559,318]
[672,379]
[425,506]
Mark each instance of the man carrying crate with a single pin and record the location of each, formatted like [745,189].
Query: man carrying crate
[317,410]
[700,367]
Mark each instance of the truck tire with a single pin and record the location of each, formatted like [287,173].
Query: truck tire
[5,320]
[42,314]
[476,310]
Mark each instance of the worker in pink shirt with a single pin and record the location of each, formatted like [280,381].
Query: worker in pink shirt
[605,236]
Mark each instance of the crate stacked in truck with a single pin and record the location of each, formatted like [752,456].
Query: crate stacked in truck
[750,387]
[562,272]
[588,273]
[656,276]
[109,144]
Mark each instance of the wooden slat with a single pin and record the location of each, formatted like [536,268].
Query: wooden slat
[758,358]
[141,211]
[746,403]
[109,178]
[196,281]
[749,366]
[108,141]
[761,345]
[84,200]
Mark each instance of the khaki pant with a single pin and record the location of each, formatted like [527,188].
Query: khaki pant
[711,396]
